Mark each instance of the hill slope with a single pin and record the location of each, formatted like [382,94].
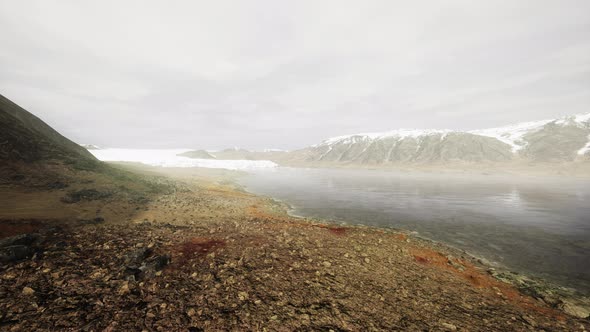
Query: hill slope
[25,137]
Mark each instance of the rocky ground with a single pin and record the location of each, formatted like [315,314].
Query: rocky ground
[204,256]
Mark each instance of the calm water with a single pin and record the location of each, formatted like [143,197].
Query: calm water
[536,226]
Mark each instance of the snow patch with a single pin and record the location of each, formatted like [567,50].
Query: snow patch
[400,134]
[170,158]
[512,135]
[585,149]
[582,117]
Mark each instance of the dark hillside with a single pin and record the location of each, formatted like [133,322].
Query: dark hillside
[25,137]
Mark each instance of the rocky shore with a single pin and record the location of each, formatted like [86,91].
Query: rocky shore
[201,255]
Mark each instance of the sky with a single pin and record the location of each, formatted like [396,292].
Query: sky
[287,74]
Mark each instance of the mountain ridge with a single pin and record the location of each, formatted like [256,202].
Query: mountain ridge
[565,139]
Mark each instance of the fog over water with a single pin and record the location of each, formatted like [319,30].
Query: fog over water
[539,226]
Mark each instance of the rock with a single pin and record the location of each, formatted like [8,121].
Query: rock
[575,310]
[452,262]
[28,291]
[243,296]
[191,312]
[449,327]
[529,320]
[149,268]
[136,257]
[23,239]
[15,253]
[124,289]
[327,264]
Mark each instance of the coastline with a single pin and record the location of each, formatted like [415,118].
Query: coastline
[207,255]
[561,297]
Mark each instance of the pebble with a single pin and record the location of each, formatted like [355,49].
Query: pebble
[28,291]
[449,327]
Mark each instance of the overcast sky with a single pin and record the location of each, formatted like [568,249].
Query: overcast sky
[286,74]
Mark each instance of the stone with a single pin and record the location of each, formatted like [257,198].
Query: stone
[23,239]
[243,296]
[16,253]
[124,289]
[191,312]
[28,291]
[449,327]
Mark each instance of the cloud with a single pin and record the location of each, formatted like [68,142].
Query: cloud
[281,74]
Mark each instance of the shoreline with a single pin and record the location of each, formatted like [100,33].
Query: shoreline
[567,299]
[205,254]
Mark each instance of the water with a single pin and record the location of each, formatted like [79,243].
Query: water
[537,226]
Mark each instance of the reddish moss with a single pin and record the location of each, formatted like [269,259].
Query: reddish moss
[333,229]
[337,230]
[199,246]
[421,260]
[400,236]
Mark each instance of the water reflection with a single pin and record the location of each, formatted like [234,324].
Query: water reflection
[539,226]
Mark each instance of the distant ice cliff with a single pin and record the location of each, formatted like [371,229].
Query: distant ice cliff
[169,158]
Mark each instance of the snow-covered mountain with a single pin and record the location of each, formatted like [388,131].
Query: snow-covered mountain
[556,140]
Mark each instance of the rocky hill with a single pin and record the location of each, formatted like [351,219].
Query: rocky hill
[34,155]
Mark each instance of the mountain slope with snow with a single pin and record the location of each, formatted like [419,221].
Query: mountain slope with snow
[558,140]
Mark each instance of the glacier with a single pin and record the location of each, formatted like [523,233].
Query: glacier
[170,158]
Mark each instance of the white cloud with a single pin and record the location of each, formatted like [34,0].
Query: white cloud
[288,74]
